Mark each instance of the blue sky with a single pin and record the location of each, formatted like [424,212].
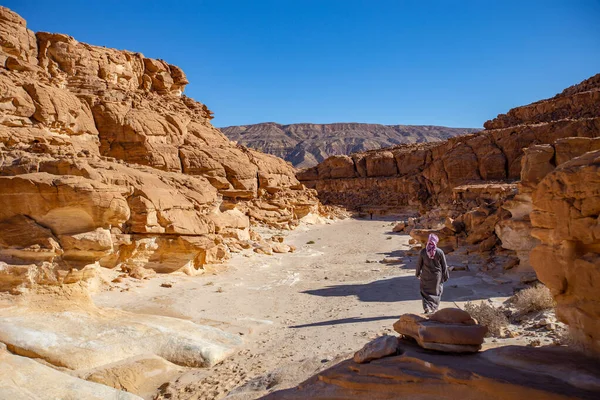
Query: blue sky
[453,63]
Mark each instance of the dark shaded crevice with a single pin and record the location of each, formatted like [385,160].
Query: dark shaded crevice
[355,167]
[181,166]
[476,157]
[506,163]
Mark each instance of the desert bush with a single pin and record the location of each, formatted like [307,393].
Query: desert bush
[536,298]
[488,315]
[566,338]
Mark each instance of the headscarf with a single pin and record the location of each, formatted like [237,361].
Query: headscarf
[431,245]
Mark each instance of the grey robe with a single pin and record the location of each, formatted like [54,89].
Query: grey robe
[433,273]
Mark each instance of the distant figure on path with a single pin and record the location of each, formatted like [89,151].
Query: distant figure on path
[433,272]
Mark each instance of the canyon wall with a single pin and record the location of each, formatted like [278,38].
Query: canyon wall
[426,174]
[103,159]
[529,185]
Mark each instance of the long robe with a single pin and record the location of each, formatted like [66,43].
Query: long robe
[433,273]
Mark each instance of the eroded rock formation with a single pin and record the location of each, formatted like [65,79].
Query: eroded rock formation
[427,173]
[566,220]
[105,164]
[305,145]
[510,372]
[102,159]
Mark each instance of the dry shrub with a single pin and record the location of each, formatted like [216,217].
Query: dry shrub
[536,298]
[488,315]
[566,338]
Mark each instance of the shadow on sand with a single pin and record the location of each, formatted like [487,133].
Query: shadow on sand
[405,288]
[351,320]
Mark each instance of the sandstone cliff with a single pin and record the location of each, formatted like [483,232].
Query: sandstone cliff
[305,145]
[102,159]
[415,174]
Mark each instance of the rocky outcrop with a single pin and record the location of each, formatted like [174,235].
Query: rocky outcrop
[565,219]
[425,363]
[426,174]
[449,330]
[64,335]
[305,145]
[102,159]
[538,161]
[76,335]
[24,378]
[510,372]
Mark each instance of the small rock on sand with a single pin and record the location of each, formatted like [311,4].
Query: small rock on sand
[378,348]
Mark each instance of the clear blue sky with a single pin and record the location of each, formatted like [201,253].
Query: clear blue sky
[453,63]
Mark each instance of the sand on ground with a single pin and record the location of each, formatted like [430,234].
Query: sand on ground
[301,312]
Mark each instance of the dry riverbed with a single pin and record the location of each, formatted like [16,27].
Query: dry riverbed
[297,313]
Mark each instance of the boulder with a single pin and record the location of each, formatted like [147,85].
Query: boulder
[280,248]
[378,348]
[452,316]
[264,248]
[399,227]
[446,330]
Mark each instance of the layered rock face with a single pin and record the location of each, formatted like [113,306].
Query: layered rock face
[102,159]
[426,174]
[469,186]
[305,145]
[510,372]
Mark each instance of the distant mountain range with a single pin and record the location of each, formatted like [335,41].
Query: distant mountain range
[305,145]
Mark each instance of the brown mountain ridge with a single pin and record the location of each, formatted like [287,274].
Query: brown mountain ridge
[307,144]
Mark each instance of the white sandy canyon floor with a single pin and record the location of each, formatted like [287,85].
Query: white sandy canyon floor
[297,313]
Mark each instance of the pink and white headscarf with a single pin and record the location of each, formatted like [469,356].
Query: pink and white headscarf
[431,245]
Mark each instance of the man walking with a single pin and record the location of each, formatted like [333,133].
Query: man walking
[433,272]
